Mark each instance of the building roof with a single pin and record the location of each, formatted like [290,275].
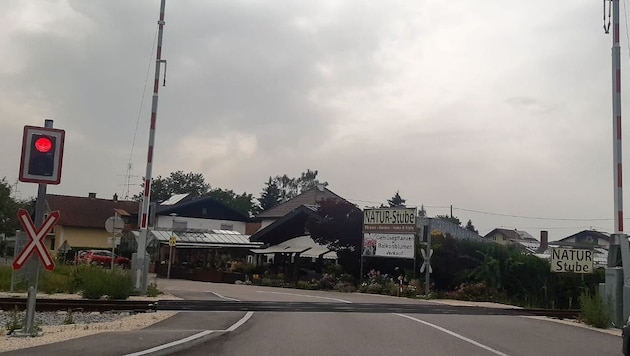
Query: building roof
[304,245]
[516,235]
[87,212]
[202,238]
[287,227]
[310,197]
[586,236]
[446,227]
[203,208]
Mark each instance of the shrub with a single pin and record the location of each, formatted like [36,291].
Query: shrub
[93,282]
[470,291]
[304,285]
[327,282]
[55,283]
[595,311]
[15,321]
[5,278]
[375,288]
[345,287]
[69,319]
[118,285]
[152,290]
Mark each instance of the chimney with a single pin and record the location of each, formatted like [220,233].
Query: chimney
[544,240]
[92,195]
[115,197]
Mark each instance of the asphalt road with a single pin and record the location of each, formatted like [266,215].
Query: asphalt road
[297,333]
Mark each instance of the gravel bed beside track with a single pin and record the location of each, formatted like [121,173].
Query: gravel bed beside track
[54,328]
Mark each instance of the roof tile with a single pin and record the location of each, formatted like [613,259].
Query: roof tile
[86,211]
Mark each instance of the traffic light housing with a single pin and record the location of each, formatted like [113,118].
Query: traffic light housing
[42,154]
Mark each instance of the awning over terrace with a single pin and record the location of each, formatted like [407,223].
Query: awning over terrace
[304,245]
[202,239]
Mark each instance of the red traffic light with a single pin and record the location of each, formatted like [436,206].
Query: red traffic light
[43,144]
[42,155]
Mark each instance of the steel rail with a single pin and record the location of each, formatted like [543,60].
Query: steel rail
[45,304]
[87,305]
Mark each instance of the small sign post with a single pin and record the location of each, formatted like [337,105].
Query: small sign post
[40,162]
[114,225]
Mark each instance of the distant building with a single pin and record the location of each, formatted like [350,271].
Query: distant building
[518,237]
[596,241]
[429,225]
[82,220]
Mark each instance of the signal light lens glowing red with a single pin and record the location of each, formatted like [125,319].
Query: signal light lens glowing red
[43,144]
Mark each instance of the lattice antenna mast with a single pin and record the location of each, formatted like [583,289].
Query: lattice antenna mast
[15,191]
[127,183]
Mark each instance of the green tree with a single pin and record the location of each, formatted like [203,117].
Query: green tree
[8,211]
[177,183]
[396,201]
[195,185]
[471,227]
[339,226]
[243,203]
[270,196]
[453,219]
[422,212]
[288,187]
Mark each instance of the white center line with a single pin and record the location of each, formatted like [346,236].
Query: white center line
[224,297]
[452,333]
[306,295]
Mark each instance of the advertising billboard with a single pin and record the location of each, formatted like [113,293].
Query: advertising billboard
[388,245]
[389,232]
[571,260]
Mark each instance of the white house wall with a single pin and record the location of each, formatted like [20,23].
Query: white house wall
[166,222]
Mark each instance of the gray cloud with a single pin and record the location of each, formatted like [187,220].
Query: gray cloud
[491,109]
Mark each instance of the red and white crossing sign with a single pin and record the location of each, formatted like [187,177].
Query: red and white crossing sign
[36,236]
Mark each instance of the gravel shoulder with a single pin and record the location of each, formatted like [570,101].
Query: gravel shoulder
[89,324]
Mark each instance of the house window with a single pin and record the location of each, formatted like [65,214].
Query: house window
[52,243]
[227,227]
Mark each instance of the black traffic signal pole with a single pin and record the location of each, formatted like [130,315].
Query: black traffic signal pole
[34,264]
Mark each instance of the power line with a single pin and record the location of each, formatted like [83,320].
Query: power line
[492,213]
[135,132]
[531,217]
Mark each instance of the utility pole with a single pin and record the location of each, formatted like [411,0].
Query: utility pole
[617,284]
[141,265]
[616,111]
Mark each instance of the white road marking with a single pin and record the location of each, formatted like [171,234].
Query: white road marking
[306,295]
[173,344]
[240,322]
[223,297]
[452,333]
[190,341]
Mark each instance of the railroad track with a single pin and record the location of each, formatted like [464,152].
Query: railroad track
[214,305]
[84,305]
[221,305]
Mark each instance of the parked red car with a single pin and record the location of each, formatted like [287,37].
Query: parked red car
[102,258]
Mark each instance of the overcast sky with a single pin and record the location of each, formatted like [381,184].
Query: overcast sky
[501,109]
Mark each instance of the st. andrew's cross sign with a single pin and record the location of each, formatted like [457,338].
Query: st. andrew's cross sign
[36,236]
